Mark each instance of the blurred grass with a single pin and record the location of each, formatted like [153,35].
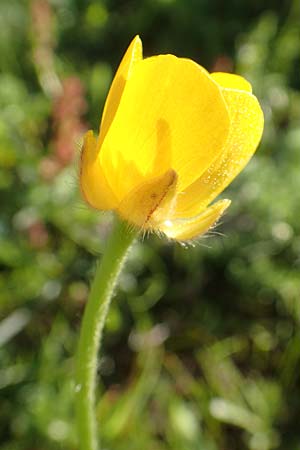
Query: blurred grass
[202,347]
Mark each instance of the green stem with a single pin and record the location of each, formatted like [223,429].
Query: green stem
[121,238]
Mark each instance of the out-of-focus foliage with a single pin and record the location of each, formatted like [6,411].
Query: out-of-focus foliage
[202,346]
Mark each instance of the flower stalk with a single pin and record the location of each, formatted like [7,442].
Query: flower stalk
[106,276]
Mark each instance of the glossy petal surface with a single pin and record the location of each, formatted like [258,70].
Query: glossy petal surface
[94,186]
[245,134]
[230,80]
[133,55]
[187,229]
[171,116]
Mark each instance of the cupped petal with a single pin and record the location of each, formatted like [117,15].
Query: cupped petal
[171,115]
[133,54]
[187,229]
[245,134]
[93,184]
[144,205]
[231,80]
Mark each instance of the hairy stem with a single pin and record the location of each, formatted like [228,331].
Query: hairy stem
[106,276]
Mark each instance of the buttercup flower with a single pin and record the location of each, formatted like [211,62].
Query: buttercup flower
[172,137]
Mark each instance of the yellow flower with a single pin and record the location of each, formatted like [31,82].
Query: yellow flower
[172,137]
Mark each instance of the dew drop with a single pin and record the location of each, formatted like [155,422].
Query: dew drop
[168,223]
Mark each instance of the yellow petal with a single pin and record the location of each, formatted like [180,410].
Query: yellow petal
[186,229]
[133,55]
[245,134]
[144,205]
[94,186]
[171,115]
[230,80]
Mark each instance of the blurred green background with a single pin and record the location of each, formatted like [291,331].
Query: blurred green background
[202,345]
